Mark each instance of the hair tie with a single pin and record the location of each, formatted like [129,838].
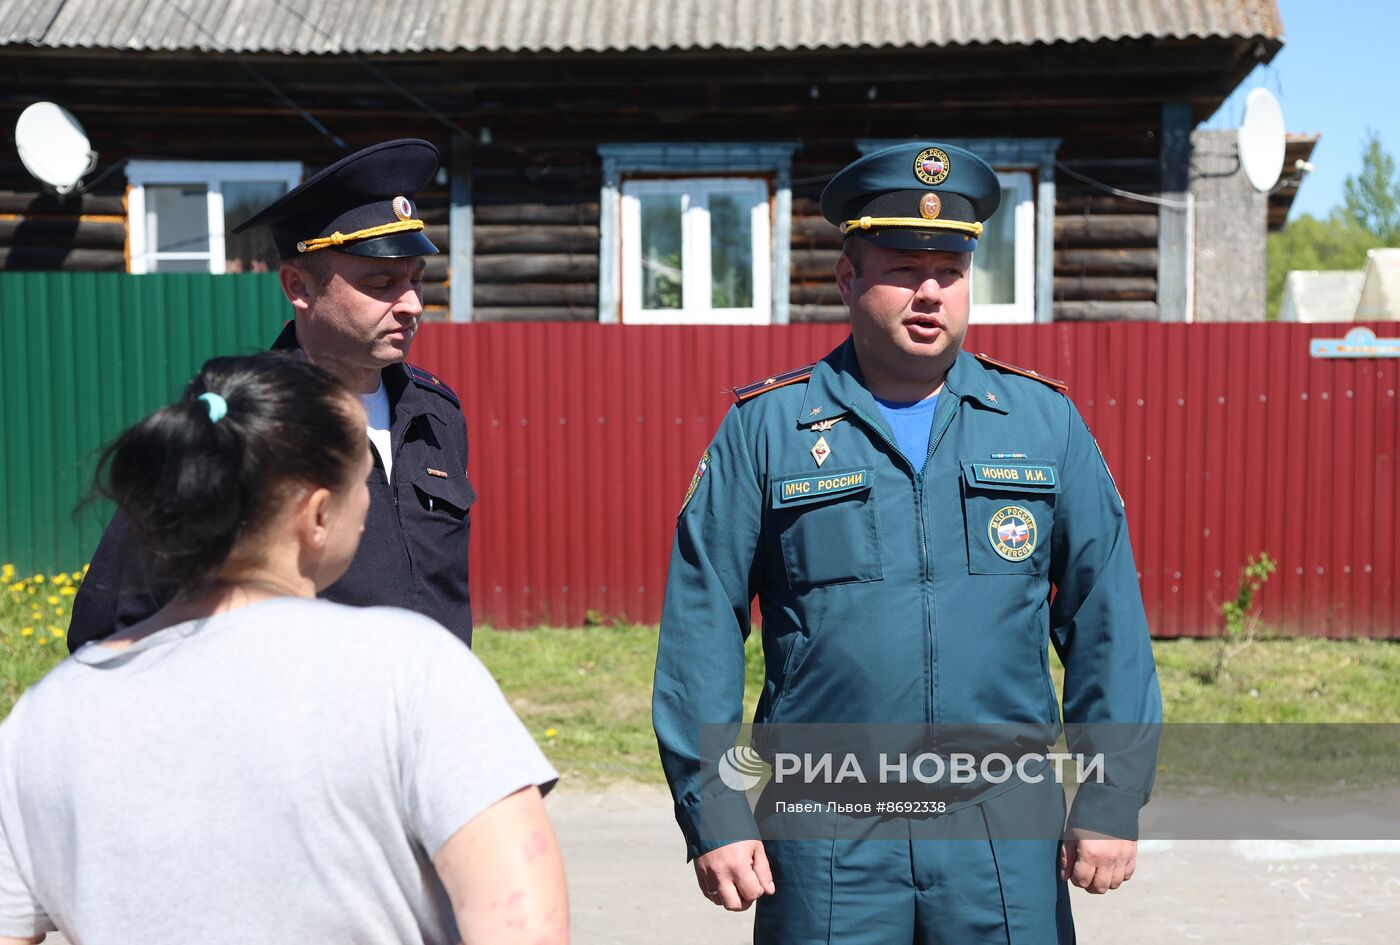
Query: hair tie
[218,407]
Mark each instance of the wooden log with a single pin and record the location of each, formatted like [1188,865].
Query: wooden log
[1106,261]
[1108,289]
[522,267]
[544,313]
[535,294]
[815,293]
[535,239]
[61,259]
[1094,202]
[814,265]
[48,231]
[818,313]
[439,233]
[436,268]
[814,233]
[1106,311]
[575,212]
[35,202]
[1107,230]
[436,294]
[561,177]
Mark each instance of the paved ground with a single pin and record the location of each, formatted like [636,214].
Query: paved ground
[630,885]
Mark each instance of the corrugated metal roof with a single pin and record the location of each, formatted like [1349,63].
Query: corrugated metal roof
[400,26]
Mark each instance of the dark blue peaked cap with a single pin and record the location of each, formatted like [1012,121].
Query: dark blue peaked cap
[361,205]
[920,195]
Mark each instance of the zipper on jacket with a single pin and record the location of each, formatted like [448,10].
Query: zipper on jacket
[923,547]
[918,482]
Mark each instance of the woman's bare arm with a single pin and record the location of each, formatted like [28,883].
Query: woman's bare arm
[505,875]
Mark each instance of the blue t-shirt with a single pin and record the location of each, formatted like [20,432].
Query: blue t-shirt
[912,425]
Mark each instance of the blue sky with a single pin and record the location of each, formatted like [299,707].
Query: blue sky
[1337,75]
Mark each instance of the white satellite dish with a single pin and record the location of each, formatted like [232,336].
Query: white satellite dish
[53,146]
[1262,139]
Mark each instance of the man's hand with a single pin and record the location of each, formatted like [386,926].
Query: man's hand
[735,875]
[1095,861]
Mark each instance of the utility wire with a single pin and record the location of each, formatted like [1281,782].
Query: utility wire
[377,72]
[268,83]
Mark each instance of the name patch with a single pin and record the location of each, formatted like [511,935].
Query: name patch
[805,488]
[1021,473]
[1012,475]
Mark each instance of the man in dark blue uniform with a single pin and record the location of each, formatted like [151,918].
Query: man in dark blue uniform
[352,247]
[919,525]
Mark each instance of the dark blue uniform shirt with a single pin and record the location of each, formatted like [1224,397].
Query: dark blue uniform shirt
[414,550]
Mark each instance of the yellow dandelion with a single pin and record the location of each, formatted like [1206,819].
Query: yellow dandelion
[43,641]
[7,571]
[85,568]
[58,632]
[26,631]
[32,589]
[17,587]
[38,579]
[53,599]
[60,578]
[58,611]
[551,732]
[68,591]
[78,575]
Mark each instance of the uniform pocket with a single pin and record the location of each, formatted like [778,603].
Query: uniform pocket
[1009,512]
[826,527]
[451,497]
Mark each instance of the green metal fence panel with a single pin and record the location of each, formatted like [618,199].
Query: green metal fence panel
[83,356]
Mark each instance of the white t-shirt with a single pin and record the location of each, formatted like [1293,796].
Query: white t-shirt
[377,408]
[281,773]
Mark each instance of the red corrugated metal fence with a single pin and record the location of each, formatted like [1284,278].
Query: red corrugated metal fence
[1226,440]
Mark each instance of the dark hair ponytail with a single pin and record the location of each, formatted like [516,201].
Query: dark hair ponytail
[192,486]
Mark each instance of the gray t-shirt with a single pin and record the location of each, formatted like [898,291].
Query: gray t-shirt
[280,773]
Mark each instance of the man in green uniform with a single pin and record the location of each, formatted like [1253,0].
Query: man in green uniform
[918,524]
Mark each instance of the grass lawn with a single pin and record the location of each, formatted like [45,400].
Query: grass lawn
[585,694]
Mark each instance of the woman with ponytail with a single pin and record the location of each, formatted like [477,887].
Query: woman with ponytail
[250,764]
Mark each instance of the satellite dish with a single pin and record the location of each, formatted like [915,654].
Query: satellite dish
[53,146]
[1262,139]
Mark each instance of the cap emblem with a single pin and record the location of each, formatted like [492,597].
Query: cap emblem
[932,166]
[930,206]
[402,208]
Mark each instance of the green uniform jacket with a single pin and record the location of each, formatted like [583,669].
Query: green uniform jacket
[883,594]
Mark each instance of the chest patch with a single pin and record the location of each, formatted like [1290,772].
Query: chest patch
[792,490]
[1012,532]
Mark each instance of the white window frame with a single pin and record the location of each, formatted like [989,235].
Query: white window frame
[696,287]
[210,174]
[769,161]
[1020,311]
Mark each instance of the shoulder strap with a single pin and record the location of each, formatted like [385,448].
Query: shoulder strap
[1060,386]
[430,382]
[748,391]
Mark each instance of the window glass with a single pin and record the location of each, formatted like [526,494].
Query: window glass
[177,218]
[160,264]
[731,250]
[994,263]
[252,250]
[662,274]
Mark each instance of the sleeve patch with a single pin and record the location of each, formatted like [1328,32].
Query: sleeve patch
[700,469]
